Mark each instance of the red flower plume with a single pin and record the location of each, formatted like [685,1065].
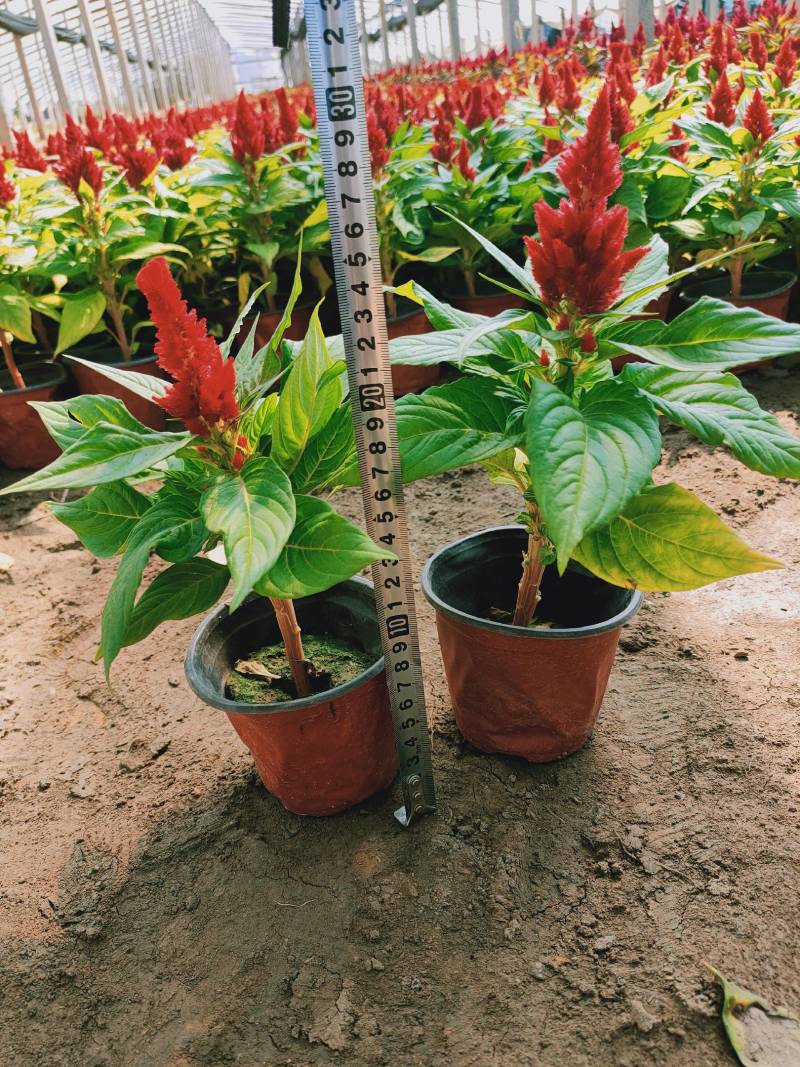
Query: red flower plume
[547,87]
[78,164]
[721,107]
[463,164]
[569,99]
[27,154]
[287,115]
[247,135]
[203,393]
[786,63]
[657,70]
[758,50]
[757,120]
[590,168]
[678,151]
[579,256]
[7,189]
[378,145]
[444,147]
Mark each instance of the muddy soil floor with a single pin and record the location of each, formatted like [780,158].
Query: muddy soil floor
[159,909]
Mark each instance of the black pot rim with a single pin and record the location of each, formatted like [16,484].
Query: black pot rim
[195,676]
[554,633]
[789,279]
[59,376]
[117,364]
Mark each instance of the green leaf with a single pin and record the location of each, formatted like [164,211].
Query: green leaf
[179,592]
[648,278]
[79,316]
[760,1035]
[668,540]
[144,385]
[105,453]
[518,273]
[328,456]
[93,408]
[323,549]
[166,518]
[55,415]
[443,316]
[104,519]
[718,410]
[254,511]
[428,255]
[588,460]
[452,426]
[306,402]
[15,314]
[666,196]
[710,335]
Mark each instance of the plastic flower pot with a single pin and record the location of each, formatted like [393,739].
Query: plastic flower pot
[319,755]
[489,304]
[410,379]
[91,382]
[523,691]
[24,442]
[769,291]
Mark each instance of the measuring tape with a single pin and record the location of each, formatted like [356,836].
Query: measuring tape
[332,31]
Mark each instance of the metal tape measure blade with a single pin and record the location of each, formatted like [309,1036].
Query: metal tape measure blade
[332,32]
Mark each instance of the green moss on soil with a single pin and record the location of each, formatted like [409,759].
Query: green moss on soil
[333,662]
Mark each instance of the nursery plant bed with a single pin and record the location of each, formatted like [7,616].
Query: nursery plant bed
[769,291]
[24,442]
[669,832]
[319,754]
[92,382]
[530,691]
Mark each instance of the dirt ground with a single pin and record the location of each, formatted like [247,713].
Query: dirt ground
[159,909]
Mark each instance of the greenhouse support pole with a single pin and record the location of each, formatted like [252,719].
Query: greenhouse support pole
[51,50]
[510,23]
[147,85]
[362,21]
[181,89]
[411,17]
[170,51]
[122,57]
[387,62]
[573,11]
[96,57]
[26,74]
[155,52]
[536,26]
[5,127]
[455,32]
[713,10]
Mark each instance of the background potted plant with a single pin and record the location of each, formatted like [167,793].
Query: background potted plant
[243,474]
[529,616]
[747,191]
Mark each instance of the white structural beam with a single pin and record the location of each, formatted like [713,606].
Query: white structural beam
[455,32]
[147,85]
[122,59]
[411,16]
[26,74]
[511,25]
[51,50]
[95,55]
[158,63]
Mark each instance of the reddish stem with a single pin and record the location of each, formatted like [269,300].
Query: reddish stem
[293,643]
[8,355]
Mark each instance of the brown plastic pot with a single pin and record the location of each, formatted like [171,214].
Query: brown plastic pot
[92,383]
[407,378]
[523,691]
[318,755]
[25,444]
[768,291]
[489,304]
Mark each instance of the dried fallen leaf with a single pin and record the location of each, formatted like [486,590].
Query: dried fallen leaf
[760,1035]
[256,669]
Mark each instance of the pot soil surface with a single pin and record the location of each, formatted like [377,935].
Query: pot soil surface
[333,662]
[158,908]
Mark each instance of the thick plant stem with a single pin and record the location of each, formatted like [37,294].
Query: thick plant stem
[469,281]
[736,269]
[293,643]
[8,355]
[40,331]
[115,312]
[528,595]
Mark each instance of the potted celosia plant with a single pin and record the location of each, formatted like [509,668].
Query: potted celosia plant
[99,236]
[311,704]
[529,615]
[23,442]
[746,193]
